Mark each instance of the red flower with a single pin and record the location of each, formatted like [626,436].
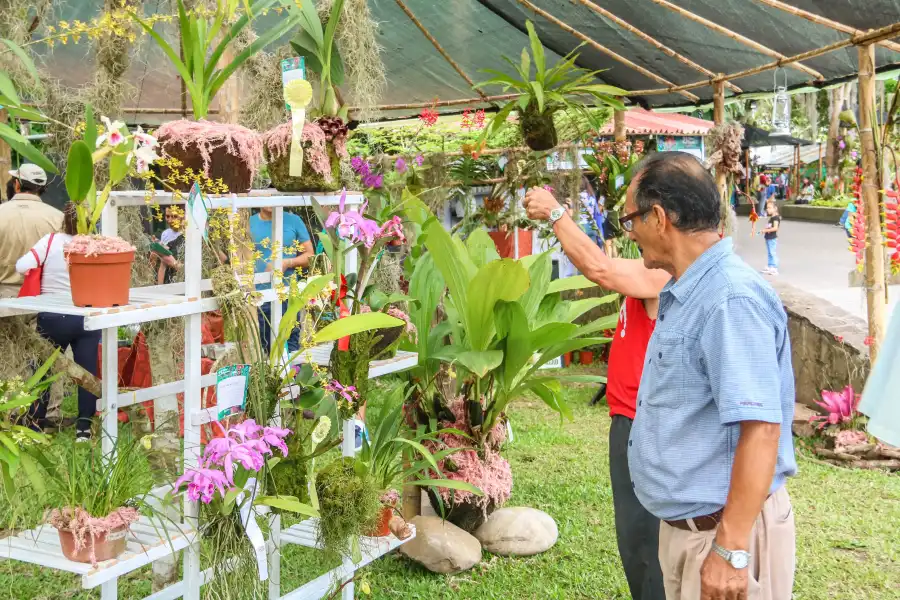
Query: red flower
[868,341]
[479,118]
[429,117]
[839,338]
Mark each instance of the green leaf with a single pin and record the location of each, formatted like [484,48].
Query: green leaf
[539,274]
[538,92]
[24,58]
[27,114]
[288,503]
[537,52]
[479,363]
[525,64]
[355,324]
[173,57]
[118,167]
[577,282]
[503,279]
[8,89]
[35,477]
[90,127]
[18,143]
[79,171]
[451,484]
[481,247]
[41,371]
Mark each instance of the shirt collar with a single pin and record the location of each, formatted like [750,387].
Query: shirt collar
[683,287]
[26,196]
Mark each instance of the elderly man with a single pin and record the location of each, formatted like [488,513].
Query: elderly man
[711,448]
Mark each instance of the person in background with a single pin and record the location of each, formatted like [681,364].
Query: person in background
[10,189]
[771,236]
[24,220]
[637,531]
[762,194]
[297,250]
[771,190]
[62,330]
[173,239]
[807,192]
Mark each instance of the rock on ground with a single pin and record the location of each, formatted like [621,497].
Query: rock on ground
[442,547]
[518,531]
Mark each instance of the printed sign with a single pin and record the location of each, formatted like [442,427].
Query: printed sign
[196,207]
[231,390]
[291,69]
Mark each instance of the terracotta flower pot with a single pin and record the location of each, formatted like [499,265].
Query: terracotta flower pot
[384,522]
[105,546]
[505,243]
[567,359]
[586,357]
[101,280]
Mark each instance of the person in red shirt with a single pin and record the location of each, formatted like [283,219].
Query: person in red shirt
[637,531]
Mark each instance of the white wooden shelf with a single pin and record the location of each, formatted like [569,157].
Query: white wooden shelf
[147,540]
[372,548]
[252,199]
[321,355]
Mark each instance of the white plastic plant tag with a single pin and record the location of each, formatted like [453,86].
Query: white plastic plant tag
[196,206]
[231,390]
[254,533]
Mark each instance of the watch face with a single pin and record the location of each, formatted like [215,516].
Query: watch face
[740,559]
[556,214]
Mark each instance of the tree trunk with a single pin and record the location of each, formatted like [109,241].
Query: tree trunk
[831,149]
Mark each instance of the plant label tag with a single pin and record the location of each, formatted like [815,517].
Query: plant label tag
[196,206]
[231,390]
[291,69]
[115,535]
[252,530]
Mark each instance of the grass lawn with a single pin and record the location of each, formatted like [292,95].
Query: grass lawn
[848,524]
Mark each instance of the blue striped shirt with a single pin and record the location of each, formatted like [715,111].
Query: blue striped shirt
[720,354]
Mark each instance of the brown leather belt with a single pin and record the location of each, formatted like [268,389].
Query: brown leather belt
[704,523]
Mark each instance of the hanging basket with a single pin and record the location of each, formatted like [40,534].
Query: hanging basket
[505,242]
[104,546]
[538,129]
[100,280]
[309,181]
[324,144]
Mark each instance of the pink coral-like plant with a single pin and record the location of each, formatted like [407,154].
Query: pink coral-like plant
[92,245]
[841,407]
[206,137]
[315,146]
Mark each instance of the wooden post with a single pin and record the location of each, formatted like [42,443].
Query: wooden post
[719,118]
[874,256]
[5,159]
[820,165]
[748,176]
[619,133]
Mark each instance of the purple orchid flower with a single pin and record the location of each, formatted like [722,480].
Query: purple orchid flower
[203,483]
[840,406]
[400,166]
[246,430]
[393,229]
[217,449]
[348,392]
[352,225]
[419,160]
[274,437]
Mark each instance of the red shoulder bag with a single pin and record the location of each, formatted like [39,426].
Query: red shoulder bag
[32,284]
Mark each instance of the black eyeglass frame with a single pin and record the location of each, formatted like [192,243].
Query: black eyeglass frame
[627,222]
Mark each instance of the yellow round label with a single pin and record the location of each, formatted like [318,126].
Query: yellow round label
[297,93]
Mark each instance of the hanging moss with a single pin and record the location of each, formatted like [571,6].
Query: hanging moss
[349,506]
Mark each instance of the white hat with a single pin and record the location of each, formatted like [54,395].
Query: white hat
[30,173]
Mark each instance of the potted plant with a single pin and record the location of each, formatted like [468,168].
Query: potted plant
[97,496]
[100,266]
[501,321]
[229,153]
[557,88]
[586,356]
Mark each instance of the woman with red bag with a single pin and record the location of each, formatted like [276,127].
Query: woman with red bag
[63,330]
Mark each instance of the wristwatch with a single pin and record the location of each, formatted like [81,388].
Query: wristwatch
[556,214]
[738,559]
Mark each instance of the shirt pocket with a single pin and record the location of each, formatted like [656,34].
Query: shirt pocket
[667,369]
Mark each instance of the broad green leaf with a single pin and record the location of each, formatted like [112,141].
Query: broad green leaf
[35,477]
[90,127]
[479,363]
[79,171]
[288,503]
[578,307]
[513,329]
[21,145]
[24,58]
[118,165]
[539,272]
[481,247]
[503,279]
[41,371]
[537,52]
[19,112]
[577,282]
[8,89]
[538,90]
[355,324]
[525,65]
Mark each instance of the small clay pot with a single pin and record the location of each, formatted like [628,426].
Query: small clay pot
[100,280]
[105,546]
[384,521]
[505,243]
[586,357]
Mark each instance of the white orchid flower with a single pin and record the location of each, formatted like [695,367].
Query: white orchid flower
[113,134]
[144,139]
[144,155]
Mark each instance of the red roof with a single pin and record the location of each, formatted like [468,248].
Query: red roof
[644,122]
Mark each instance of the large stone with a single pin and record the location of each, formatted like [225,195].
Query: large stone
[442,547]
[518,531]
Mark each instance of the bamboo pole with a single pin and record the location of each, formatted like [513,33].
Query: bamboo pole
[820,164]
[5,158]
[162,111]
[820,20]
[874,254]
[653,42]
[602,48]
[719,118]
[438,47]
[747,176]
[443,103]
[619,132]
[736,37]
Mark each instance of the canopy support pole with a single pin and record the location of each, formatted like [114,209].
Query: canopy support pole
[820,20]
[438,47]
[874,254]
[619,132]
[603,49]
[820,164]
[654,42]
[719,118]
[736,37]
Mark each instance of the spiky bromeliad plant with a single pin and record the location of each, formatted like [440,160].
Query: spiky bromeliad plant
[562,86]
[317,45]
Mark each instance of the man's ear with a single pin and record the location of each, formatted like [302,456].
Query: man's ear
[661,218]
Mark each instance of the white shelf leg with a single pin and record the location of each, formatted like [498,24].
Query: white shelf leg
[110,387]
[348,448]
[277,242]
[274,545]
[110,590]
[192,343]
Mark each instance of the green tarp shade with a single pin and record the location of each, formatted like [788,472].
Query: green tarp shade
[754,137]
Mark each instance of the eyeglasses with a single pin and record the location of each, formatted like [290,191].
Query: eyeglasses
[627,222]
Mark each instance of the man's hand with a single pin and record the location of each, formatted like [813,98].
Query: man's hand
[720,581]
[538,204]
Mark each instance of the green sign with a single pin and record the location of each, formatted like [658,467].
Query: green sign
[291,69]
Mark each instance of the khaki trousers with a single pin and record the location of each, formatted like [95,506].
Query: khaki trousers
[771,570]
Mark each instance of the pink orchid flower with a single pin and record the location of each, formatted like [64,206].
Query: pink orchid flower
[246,430]
[393,229]
[203,483]
[274,437]
[351,224]
[840,406]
